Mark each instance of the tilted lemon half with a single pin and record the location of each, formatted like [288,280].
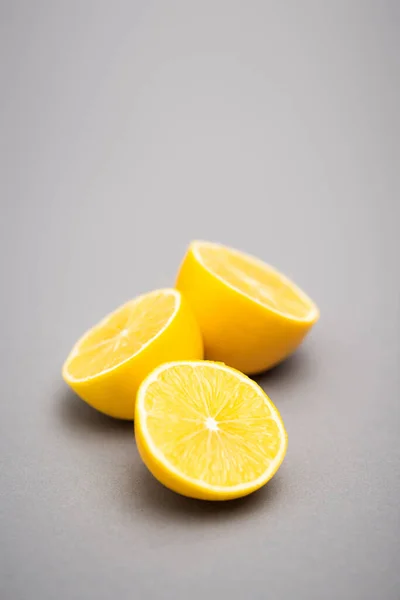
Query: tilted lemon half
[107,365]
[207,431]
[251,316]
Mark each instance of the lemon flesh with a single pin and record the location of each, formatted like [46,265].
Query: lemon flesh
[208,431]
[107,365]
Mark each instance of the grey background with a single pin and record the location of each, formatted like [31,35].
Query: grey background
[126,130]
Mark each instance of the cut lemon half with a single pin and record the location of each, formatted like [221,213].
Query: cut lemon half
[251,316]
[107,365]
[207,431]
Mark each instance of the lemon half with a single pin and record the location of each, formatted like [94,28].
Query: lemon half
[251,316]
[207,431]
[107,365]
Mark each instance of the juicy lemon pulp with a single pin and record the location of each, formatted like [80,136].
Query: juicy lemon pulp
[207,431]
[107,365]
[254,279]
[122,334]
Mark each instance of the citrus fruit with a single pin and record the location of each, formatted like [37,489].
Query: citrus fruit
[207,431]
[250,315]
[106,366]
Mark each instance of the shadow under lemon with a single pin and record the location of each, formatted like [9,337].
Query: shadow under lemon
[146,494]
[77,415]
[297,367]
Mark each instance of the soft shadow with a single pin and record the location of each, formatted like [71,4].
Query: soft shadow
[146,494]
[76,415]
[295,368]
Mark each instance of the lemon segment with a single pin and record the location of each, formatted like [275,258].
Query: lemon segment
[207,431]
[251,316]
[107,365]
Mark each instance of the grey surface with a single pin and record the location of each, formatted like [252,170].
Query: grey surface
[127,129]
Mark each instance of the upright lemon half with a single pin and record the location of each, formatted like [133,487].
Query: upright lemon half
[107,365]
[251,316]
[207,431]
